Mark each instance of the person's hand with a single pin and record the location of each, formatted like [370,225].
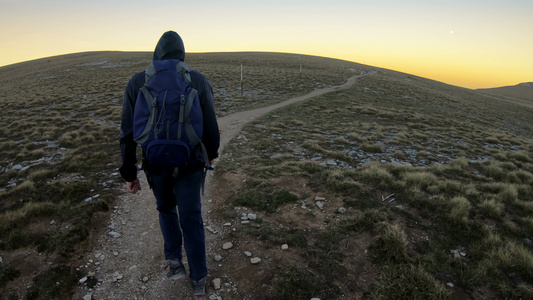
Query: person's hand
[133,186]
[211,163]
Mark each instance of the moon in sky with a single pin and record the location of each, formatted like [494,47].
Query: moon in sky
[451,31]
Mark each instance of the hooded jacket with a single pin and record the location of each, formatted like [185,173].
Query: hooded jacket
[170,46]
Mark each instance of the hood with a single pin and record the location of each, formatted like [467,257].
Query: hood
[170,46]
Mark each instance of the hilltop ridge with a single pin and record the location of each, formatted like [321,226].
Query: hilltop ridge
[521,91]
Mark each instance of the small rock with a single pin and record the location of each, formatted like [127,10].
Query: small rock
[255,260]
[88,199]
[117,276]
[115,253]
[88,297]
[342,210]
[315,298]
[227,224]
[318,198]
[528,241]
[245,222]
[216,283]
[114,234]
[284,247]
[1,259]
[145,279]
[218,257]
[52,222]
[244,217]
[248,253]
[83,280]
[211,229]
[331,162]
[449,284]
[319,204]
[227,246]
[252,217]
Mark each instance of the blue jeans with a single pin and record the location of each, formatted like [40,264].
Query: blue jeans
[183,225]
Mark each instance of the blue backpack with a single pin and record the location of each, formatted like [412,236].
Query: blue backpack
[168,120]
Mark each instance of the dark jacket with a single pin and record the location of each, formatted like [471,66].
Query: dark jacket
[170,46]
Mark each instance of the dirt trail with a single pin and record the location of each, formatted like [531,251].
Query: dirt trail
[132,266]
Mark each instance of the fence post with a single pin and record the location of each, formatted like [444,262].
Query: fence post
[242,90]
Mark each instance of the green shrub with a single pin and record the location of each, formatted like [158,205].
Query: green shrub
[460,163]
[337,181]
[390,247]
[420,179]
[459,210]
[376,174]
[520,156]
[408,282]
[509,194]
[491,208]
[371,147]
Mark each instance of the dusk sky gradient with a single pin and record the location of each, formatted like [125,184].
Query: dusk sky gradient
[469,43]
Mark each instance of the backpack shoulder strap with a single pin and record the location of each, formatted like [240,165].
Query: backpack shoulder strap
[183,69]
[150,103]
[149,73]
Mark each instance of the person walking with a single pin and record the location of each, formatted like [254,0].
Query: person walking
[176,189]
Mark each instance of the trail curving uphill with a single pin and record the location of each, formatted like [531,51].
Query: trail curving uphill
[126,260]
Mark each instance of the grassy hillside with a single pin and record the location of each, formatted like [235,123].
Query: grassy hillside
[521,93]
[398,188]
[459,163]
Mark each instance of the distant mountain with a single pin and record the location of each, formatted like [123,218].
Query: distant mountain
[522,91]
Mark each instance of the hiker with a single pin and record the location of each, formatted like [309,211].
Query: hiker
[174,186]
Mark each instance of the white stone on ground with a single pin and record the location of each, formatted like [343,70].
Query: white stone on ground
[255,260]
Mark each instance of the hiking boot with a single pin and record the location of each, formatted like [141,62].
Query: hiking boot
[176,271]
[198,287]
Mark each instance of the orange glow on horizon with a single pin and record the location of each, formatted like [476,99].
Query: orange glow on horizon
[456,42]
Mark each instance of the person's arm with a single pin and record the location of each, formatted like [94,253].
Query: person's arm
[128,146]
[211,134]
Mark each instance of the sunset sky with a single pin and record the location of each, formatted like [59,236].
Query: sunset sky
[469,43]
